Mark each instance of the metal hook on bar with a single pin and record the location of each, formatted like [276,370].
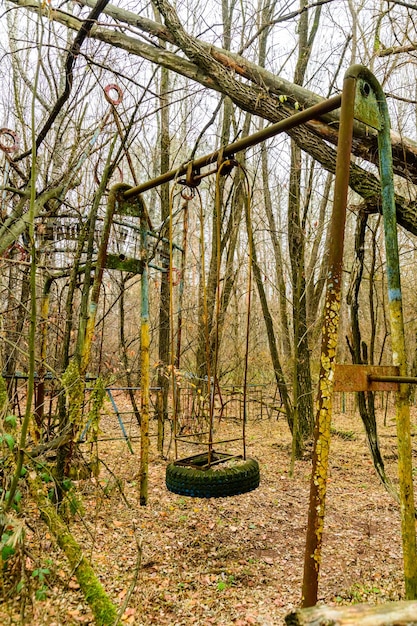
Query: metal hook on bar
[301,117]
[192,180]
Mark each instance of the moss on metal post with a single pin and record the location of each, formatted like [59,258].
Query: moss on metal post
[318,485]
[370,87]
[144,369]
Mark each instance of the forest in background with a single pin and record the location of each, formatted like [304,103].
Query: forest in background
[96,94]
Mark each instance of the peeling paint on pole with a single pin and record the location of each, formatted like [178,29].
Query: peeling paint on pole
[405,469]
[115,197]
[144,368]
[370,108]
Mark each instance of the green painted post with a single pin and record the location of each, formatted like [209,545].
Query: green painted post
[144,369]
[368,86]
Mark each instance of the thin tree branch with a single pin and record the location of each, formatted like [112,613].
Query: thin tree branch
[73,52]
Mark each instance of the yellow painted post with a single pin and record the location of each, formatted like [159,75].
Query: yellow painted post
[87,341]
[144,370]
[40,387]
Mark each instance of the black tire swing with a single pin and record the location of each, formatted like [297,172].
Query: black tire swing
[213,474]
[197,482]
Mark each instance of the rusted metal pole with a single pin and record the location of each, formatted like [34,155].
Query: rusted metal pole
[318,484]
[410,380]
[302,117]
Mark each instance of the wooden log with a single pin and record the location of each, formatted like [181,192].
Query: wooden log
[388,614]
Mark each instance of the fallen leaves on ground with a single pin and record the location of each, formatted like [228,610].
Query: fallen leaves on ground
[227,561]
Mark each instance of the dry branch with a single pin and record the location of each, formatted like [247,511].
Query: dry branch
[212,67]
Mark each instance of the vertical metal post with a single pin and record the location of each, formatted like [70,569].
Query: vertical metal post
[144,369]
[370,107]
[370,86]
[40,387]
[318,484]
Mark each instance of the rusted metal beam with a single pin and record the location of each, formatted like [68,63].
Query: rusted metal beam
[352,378]
[194,167]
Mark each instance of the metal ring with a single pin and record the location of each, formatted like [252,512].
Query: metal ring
[187,195]
[13,136]
[16,246]
[22,250]
[113,87]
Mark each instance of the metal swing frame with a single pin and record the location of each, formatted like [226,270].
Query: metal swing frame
[124,201]
[362,99]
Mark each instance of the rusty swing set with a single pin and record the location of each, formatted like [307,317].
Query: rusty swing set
[363,100]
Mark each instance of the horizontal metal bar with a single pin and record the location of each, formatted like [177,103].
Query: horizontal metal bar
[131,388]
[297,119]
[229,457]
[409,380]
[206,432]
[206,443]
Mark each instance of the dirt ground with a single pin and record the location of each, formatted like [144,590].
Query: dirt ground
[238,560]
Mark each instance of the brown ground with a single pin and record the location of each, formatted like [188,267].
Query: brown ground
[236,561]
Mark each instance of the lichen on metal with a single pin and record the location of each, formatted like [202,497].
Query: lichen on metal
[318,485]
[366,105]
[363,98]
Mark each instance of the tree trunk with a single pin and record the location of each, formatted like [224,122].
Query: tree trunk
[359,355]
[279,266]
[14,321]
[207,315]
[302,385]
[276,364]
